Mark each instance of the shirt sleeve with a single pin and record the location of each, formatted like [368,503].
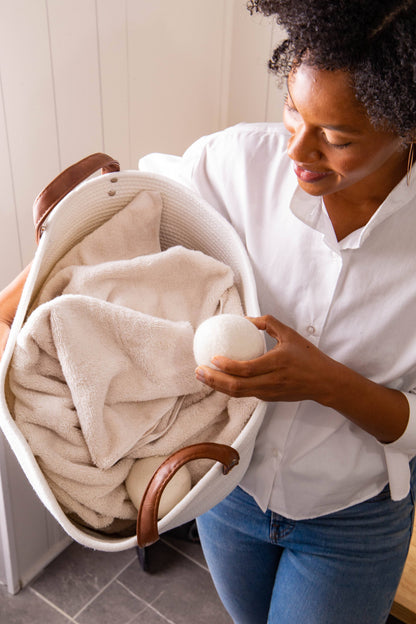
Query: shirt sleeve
[200,169]
[399,453]
[168,165]
[178,168]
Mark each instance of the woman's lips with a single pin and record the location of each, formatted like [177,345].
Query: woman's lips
[310,176]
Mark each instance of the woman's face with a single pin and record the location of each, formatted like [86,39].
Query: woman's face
[333,145]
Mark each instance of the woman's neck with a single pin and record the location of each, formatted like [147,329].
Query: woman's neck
[353,207]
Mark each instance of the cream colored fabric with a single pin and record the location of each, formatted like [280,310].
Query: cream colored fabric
[103,370]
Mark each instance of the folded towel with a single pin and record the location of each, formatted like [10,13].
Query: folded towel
[103,369]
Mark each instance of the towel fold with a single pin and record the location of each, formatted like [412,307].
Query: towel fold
[103,369]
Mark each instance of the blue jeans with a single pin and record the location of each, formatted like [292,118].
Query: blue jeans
[342,568]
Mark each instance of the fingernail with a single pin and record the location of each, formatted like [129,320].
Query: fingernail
[200,374]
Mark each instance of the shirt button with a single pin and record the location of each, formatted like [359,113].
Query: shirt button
[310,329]
[276,453]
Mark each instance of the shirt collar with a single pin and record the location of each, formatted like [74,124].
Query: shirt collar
[311,211]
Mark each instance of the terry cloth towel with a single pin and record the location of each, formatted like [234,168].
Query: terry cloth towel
[103,369]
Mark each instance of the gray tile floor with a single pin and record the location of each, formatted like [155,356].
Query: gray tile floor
[91,587]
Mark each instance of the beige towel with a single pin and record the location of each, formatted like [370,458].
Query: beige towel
[103,370]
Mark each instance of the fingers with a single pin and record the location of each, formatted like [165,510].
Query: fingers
[238,379]
[246,368]
[228,384]
[249,377]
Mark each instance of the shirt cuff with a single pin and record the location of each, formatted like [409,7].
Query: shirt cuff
[399,453]
[407,441]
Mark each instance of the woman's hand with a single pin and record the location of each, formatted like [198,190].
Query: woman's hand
[9,300]
[4,335]
[293,370]
[296,370]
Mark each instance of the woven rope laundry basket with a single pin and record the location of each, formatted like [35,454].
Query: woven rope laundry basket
[187,221]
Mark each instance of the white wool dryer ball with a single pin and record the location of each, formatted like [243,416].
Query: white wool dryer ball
[140,475]
[230,335]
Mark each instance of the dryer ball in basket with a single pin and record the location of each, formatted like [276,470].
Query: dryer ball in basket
[230,335]
[140,475]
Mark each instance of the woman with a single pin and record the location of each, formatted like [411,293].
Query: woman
[318,531]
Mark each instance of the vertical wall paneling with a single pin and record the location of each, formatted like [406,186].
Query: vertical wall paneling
[253,92]
[30,536]
[126,77]
[174,63]
[226,61]
[10,248]
[28,106]
[9,571]
[248,77]
[276,90]
[37,535]
[76,76]
[114,77]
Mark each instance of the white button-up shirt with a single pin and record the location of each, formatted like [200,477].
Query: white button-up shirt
[355,299]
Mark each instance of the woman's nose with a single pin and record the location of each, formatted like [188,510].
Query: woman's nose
[302,146]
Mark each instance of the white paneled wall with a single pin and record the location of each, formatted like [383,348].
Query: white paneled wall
[253,94]
[126,77]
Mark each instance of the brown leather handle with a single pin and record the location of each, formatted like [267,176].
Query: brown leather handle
[146,528]
[65,182]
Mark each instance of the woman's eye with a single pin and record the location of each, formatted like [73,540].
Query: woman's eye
[290,108]
[336,145]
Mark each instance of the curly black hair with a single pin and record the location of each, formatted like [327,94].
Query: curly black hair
[374,40]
